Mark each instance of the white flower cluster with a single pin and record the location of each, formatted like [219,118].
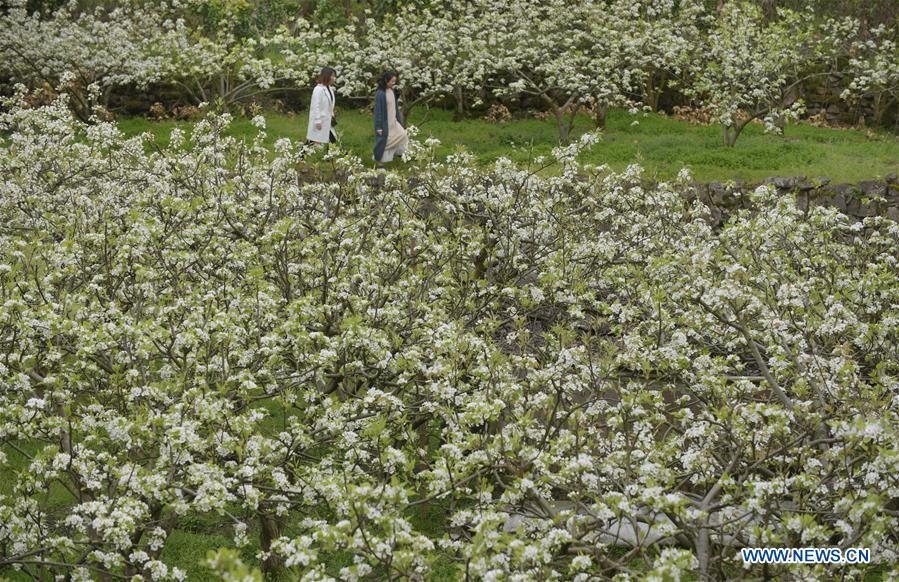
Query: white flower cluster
[566,54]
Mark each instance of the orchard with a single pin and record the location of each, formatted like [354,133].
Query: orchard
[451,371]
[734,61]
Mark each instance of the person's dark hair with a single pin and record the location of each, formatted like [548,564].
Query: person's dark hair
[324,78]
[382,82]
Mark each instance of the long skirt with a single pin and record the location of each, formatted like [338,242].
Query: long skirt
[394,151]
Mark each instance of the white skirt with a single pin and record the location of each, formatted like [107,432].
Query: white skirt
[395,151]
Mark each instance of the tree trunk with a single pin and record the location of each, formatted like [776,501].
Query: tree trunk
[80,106]
[599,117]
[654,89]
[878,109]
[702,551]
[424,443]
[406,106]
[220,100]
[270,531]
[563,126]
[731,133]
[460,104]
[559,112]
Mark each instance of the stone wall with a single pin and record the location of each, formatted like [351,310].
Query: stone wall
[823,101]
[866,198]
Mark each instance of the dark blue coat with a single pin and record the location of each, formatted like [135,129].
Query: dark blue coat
[381,121]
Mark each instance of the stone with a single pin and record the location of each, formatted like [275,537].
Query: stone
[840,196]
[872,188]
[716,217]
[854,207]
[784,182]
[839,202]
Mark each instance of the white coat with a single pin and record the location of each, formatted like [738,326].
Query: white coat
[320,111]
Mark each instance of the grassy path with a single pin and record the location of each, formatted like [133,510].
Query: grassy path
[661,145]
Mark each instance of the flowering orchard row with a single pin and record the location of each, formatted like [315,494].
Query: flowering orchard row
[585,377]
[565,53]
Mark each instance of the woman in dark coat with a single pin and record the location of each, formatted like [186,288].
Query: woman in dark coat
[390,135]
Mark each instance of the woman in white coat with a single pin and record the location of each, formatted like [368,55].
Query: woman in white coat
[321,110]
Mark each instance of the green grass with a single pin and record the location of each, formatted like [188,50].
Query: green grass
[187,550]
[660,144]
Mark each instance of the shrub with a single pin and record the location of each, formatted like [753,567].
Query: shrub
[560,366]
